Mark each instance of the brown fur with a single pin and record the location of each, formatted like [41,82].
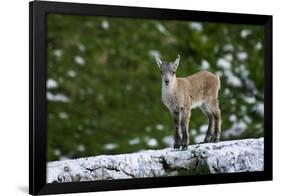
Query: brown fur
[180,95]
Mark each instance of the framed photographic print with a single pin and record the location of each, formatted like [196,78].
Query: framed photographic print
[131,97]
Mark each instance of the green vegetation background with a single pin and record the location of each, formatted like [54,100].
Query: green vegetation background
[104,87]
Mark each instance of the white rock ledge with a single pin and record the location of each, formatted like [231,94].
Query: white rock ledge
[223,157]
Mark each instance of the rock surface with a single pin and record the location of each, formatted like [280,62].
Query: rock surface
[223,157]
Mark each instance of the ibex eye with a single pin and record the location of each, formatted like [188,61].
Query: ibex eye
[174,72]
[161,72]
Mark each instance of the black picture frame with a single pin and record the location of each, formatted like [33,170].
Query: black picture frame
[38,11]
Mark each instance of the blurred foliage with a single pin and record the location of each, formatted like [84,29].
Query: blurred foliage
[104,87]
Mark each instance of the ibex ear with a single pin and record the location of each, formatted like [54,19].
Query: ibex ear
[177,61]
[158,61]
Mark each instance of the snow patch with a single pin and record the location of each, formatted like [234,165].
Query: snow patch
[245,33]
[233,101]
[236,129]
[203,128]
[223,63]
[199,138]
[151,142]
[57,152]
[204,39]
[226,92]
[232,118]
[241,70]
[51,84]
[243,109]
[79,60]
[110,146]
[258,126]
[105,24]
[232,79]
[58,53]
[197,26]
[258,46]
[81,47]
[259,108]
[168,140]
[247,119]
[205,64]
[250,100]
[147,129]
[193,132]
[57,97]
[161,28]
[228,47]
[63,115]
[159,127]
[81,148]
[71,73]
[242,55]
[154,53]
[219,73]
[134,141]
[228,57]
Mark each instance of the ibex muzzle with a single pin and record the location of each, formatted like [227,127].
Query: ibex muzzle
[180,95]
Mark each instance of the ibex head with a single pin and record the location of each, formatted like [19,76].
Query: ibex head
[168,70]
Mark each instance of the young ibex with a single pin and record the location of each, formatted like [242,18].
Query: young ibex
[180,95]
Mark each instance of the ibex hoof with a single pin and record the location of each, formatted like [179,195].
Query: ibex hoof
[176,146]
[184,147]
[207,140]
[216,140]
